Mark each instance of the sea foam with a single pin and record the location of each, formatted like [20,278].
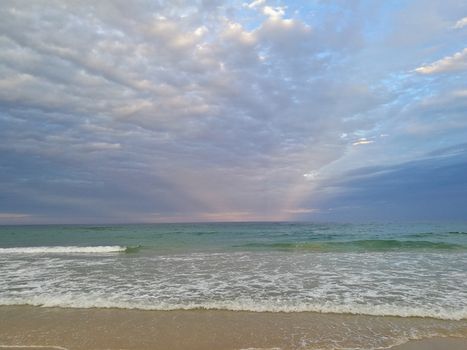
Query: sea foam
[62,250]
[389,284]
[75,301]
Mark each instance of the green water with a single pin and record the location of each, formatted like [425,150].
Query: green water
[244,236]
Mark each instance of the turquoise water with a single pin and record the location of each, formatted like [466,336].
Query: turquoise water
[170,238]
[375,269]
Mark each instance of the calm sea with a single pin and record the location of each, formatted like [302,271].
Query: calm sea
[408,270]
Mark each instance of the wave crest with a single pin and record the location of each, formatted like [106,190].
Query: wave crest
[64,250]
[246,305]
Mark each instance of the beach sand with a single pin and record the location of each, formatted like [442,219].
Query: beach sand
[434,344]
[98,329]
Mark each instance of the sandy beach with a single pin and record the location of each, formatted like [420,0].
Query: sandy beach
[85,329]
[434,344]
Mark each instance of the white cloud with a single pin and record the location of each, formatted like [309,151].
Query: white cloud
[274,12]
[256,3]
[235,32]
[311,175]
[461,23]
[456,62]
[362,141]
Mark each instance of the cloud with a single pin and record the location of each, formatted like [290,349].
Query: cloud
[114,111]
[461,23]
[362,141]
[456,62]
[256,3]
[302,211]
[311,175]
[12,216]
[101,146]
[274,12]
[442,113]
[434,188]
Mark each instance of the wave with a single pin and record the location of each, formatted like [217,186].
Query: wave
[357,245]
[67,250]
[248,306]
[437,234]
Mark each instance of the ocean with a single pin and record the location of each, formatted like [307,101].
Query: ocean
[414,273]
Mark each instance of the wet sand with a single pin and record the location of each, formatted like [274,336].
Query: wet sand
[98,329]
[434,344]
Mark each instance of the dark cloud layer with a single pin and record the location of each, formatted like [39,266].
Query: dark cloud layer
[434,188]
[143,111]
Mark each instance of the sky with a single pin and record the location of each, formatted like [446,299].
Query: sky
[210,110]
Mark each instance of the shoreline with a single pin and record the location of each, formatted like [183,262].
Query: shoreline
[233,310]
[423,344]
[124,329]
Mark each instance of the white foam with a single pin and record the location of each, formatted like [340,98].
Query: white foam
[241,305]
[407,285]
[62,250]
[33,347]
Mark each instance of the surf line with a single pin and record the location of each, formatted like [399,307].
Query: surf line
[33,347]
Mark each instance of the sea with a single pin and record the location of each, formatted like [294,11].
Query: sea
[409,271]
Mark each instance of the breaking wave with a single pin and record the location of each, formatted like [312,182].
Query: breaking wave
[66,250]
[245,305]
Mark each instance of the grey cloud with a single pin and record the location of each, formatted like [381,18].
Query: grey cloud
[138,110]
[434,188]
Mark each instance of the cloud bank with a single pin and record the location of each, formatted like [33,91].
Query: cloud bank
[145,111]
